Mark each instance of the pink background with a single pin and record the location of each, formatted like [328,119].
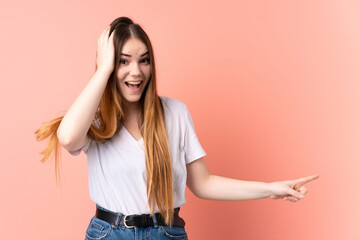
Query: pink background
[273,88]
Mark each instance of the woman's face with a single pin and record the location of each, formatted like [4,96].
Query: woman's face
[134,70]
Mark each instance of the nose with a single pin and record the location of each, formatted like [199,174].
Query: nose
[135,70]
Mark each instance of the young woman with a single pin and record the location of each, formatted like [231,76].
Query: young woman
[142,148]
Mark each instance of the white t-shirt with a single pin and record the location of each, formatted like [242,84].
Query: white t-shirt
[117,171]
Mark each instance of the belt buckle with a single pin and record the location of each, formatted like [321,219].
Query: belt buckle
[126,224]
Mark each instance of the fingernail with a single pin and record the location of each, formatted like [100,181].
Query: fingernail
[302,196]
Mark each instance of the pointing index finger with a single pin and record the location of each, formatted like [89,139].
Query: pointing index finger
[304,180]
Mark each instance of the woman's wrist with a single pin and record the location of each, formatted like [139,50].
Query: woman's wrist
[103,71]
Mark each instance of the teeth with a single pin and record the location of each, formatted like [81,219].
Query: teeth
[134,83]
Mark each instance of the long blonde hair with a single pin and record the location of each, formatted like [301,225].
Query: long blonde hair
[111,116]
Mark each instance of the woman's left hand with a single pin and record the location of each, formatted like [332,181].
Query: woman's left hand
[291,190]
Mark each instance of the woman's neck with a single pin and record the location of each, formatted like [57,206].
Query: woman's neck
[132,108]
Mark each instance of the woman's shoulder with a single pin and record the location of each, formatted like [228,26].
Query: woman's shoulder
[173,104]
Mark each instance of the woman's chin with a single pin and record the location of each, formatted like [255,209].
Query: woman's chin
[132,99]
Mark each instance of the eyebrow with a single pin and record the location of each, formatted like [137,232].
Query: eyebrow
[128,55]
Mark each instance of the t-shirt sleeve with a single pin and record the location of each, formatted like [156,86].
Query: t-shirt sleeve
[84,149]
[192,147]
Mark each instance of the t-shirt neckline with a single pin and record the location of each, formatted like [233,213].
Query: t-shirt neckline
[132,137]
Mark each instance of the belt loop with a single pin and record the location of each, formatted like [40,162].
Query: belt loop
[118,219]
[155,220]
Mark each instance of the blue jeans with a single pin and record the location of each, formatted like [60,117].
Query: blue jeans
[100,230]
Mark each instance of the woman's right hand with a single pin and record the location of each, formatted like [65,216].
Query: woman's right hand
[105,55]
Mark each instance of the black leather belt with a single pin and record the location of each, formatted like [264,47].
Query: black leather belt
[144,220]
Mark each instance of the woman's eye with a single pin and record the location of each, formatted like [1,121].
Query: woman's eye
[122,61]
[145,60]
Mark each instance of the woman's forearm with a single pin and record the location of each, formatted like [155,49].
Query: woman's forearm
[229,189]
[78,118]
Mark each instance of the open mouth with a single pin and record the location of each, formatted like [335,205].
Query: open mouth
[134,86]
